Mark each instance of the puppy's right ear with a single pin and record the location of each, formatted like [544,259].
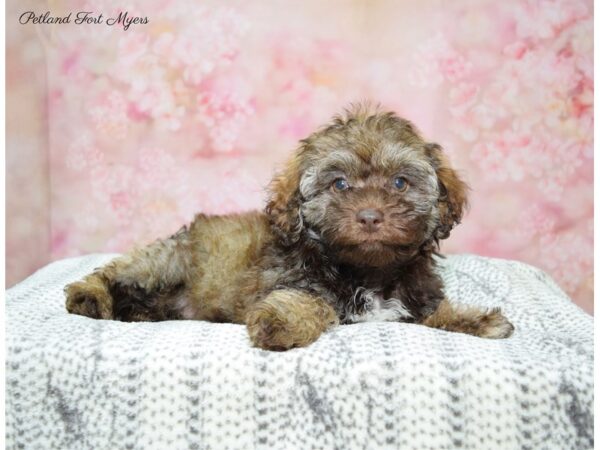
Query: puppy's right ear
[283,207]
[453,191]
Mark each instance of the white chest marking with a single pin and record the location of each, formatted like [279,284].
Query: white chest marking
[378,309]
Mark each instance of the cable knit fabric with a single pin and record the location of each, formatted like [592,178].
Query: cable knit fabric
[78,383]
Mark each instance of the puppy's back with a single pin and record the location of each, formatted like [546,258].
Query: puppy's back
[224,250]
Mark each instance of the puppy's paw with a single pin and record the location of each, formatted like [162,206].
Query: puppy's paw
[287,319]
[268,333]
[471,320]
[90,299]
[493,325]
[269,330]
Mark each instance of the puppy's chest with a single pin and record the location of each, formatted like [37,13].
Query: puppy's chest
[371,305]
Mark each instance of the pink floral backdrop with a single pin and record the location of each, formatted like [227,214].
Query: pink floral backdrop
[194,110]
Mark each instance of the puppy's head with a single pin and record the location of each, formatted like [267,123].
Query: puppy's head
[369,189]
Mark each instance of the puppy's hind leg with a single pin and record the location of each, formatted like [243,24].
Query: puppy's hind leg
[144,284]
[470,320]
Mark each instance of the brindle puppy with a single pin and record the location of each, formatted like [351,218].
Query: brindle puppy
[349,235]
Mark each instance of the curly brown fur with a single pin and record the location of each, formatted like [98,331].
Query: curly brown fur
[288,318]
[348,235]
[465,319]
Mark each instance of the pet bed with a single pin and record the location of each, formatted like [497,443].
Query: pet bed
[78,383]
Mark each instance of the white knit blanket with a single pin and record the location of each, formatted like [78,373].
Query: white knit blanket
[79,383]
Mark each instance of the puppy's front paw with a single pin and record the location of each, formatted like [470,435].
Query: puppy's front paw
[287,319]
[267,332]
[485,323]
[493,325]
[270,330]
[90,299]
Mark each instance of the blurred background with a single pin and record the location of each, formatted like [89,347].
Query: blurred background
[116,137]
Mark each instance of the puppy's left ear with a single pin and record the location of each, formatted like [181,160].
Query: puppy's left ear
[453,192]
[283,207]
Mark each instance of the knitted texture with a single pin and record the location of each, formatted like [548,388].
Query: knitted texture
[78,383]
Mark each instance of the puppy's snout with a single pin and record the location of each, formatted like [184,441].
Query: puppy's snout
[370,219]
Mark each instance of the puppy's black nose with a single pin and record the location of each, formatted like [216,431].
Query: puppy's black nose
[370,219]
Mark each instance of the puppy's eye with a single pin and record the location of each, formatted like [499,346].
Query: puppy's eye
[400,183]
[340,184]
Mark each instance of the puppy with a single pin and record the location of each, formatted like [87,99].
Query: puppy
[348,236]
